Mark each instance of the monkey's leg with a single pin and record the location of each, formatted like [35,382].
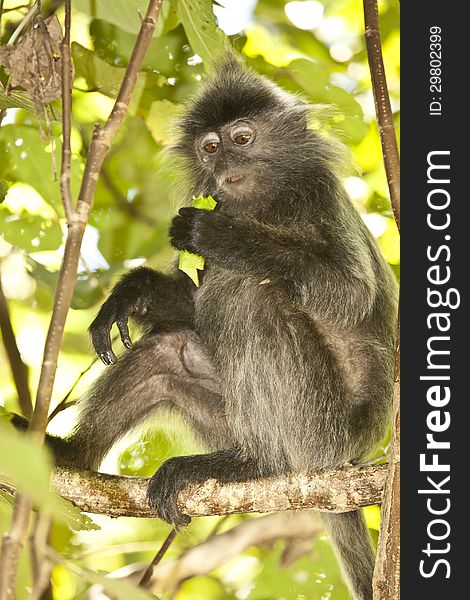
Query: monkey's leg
[227,466]
[167,369]
[350,538]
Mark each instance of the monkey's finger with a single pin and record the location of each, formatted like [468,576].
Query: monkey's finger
[101,341]
[124,332]
[108,357]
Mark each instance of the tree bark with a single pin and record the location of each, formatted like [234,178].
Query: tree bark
[387,569]
[336,490]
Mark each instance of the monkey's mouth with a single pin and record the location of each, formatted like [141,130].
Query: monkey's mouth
[234,178]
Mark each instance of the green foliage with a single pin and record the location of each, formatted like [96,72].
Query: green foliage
[199,25]
[27,467]
[136,196]
[189,262]
[30,232]
[3,190]
[303,579]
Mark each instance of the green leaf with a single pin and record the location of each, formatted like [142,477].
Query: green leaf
[19,99]
[389,243]
[29,161]
[159,120]
[314,575]
[118,588]
[199,24]
[123,13]
[30,232]
[189,262]
[316,82]
[26,466]
[99,75]
[127,14]
[115,46]
[204,202]
[3,190]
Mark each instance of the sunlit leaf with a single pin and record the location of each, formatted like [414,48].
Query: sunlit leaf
[99,75]
[29,160]
[199,24]
[27,467]
[29,232]
[126,14]
[389,242]
[3,189]
[315,575]
[372,516]
[160,120]
[189,262]
[19,99]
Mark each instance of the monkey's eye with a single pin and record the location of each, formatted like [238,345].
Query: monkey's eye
[211,147]
[242,138]
[243,134]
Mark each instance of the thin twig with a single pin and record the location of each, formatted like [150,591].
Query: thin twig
[18,369]
[122,202]
[1,15]
[382,104]
[218,550]
[387,569]
[66,117]
[64,403]
[8,489]
[147,575]
[102,138]
[42,566]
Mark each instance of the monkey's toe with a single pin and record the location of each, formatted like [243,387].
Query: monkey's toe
[162,495]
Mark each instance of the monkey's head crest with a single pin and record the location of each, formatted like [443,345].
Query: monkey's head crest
[235,92]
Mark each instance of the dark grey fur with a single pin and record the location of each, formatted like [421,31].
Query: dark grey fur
[283,358]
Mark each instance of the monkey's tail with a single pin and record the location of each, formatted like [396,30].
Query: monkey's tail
[351,542]
[62,449]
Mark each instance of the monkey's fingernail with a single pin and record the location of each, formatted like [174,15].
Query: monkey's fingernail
[127,343]
[108,357]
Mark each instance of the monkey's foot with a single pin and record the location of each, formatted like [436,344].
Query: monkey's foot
[163,490]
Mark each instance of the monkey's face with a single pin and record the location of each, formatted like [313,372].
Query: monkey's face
[230,154]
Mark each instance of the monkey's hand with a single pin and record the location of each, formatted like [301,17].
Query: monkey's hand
[196,230]
[117,309]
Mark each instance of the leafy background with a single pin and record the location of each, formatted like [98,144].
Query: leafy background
[313,48]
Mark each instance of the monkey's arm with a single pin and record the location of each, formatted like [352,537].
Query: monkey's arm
[294,252]
[153,299]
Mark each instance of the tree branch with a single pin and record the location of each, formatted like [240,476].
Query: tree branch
[336,490]
[18,369]
[387,568]
[102,138]
[382,104]
[65,190]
